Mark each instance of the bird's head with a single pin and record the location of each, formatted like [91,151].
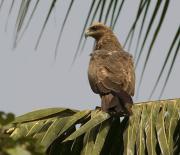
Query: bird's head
[97,30]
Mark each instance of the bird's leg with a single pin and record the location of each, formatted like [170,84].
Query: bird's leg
[107,102]
[111,105]
[125,100]
[98,108]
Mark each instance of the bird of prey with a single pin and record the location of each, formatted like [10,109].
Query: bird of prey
[111,71]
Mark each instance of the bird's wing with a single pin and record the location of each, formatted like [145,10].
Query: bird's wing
[115,71]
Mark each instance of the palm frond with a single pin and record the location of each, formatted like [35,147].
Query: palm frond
[114,145]
[59,126]
[62,27]
[156,9]
[29,20]
[170,69]
[108,11]
[42,114]
[163,14]
[9,12]
[165,62]
[21,17]
[102,10]
[141,29]
[117,15]
[95,15]
[113,12]
[82,34]
[45,22]
[94,121]
[153,128]
[101,137]
[139,11]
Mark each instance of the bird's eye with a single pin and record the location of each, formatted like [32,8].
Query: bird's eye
[94,28]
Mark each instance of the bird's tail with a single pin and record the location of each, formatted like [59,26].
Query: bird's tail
[113,103]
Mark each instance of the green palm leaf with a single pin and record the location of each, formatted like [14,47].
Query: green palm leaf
[101,137]
[166,5]
[62,27]
[170,69]
[29,20]
[151,140]
[141,139]
[153,128]
[45,22]
[21,17]
[175,39]
[53,131]
[44,113]
[94,121]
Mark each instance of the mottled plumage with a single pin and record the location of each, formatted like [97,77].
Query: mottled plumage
[111,71]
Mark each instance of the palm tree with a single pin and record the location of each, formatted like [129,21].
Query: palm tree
[154,126]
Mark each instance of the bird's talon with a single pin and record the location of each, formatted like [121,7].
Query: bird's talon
[98,108]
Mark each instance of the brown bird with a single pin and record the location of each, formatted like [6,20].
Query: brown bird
[111,71]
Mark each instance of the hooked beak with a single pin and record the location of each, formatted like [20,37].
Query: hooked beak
[87,33]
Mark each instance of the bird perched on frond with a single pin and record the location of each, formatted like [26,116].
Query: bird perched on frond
[111,71]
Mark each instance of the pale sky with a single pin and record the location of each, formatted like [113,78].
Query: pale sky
[31,79]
